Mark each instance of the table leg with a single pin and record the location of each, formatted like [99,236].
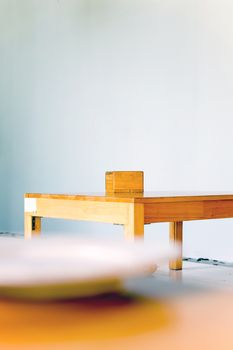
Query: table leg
[176,237]
[134,228]
[32,225]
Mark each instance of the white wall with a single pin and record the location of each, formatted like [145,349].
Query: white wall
[93,85]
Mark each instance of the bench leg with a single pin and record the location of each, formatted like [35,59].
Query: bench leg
[176,237]
[134,228]
[32,225]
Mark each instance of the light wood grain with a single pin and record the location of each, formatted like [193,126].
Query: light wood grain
[135,227]
[137,197]
[96,197]
[116,213]
[176,238]
[128,214]
[32,225]
[132,210]
[189,210]
[124,181]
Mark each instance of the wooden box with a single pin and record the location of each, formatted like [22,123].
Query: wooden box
[124,181]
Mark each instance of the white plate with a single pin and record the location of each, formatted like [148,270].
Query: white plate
[60,267]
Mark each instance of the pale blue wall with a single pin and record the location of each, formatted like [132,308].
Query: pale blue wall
[94,85]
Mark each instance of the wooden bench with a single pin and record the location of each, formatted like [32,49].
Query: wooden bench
[125,203]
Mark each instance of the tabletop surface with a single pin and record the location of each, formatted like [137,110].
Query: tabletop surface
[151,314]
[141,197]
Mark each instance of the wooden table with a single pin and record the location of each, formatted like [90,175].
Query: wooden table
[178,322]
[133,210]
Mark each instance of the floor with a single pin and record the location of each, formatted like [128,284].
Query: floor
[202,275]
[194,276]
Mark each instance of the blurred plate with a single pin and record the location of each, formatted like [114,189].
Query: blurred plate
[56,268]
